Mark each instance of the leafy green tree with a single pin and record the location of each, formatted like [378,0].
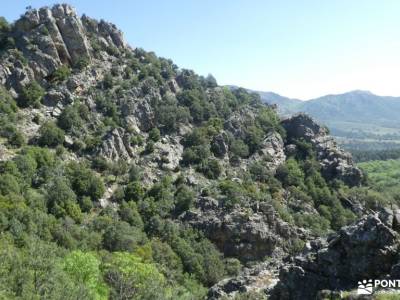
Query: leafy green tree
[210,168]
[84,269]
[290,173]
[9,184]
[84,181]
[120,236]
[131,278]
[134,191]
[61,200]
[184,197]
[27,167]
[129,213]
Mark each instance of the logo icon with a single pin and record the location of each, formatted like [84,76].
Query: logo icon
[365,287]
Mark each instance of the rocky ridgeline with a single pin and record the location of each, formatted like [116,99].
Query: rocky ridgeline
[251,231]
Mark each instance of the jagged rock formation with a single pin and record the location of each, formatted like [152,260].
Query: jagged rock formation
[335,162]
[49,38]
[261,278]
[366,249]
[248,233]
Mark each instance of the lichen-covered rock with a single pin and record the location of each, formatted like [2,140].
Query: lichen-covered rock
[366,249]
[116,145]
[335,163]
[271,152]
[50,37]
[219,145]
[248,233]
[260,278]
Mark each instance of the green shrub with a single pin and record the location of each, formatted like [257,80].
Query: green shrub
[149,147]
[134,191]
[108,81]
[50,135]
[184,198]
[239,148]
[154,135]
[61,74]
[210,168]
[69,118]
[85,182]
[82,63]
[31,95]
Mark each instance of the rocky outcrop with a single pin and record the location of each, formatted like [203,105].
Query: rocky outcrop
[335,163]
[248,233]
[50,37]
[116,145]
[364,250]
[260,278]
[271,152]
[108,34]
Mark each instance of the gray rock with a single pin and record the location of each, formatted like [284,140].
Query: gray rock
[115,146]
[219,145]
[366,249]
[335,163]
[243,232]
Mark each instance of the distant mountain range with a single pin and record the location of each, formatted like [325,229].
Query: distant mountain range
[358,117]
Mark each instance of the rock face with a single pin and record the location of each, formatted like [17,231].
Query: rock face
[335,162]
[261,278]
[271,152]
[249,233]
[116,146]
[367,249]
[50,37]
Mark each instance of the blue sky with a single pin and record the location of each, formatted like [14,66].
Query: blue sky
[301,49]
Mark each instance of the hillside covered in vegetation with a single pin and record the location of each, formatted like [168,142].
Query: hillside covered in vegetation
[123,176]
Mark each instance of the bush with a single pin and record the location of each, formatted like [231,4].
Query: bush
[82,63]
[61,199]
[121,236]
[131,278]
[154,135]
[134,191]
[14,137]
[50,135]
[210,168]
[149,147]
[61,74]
[195,155]
[69,118]
[84,181]
[184,198]
[108,81]
[31,95]
[239,148]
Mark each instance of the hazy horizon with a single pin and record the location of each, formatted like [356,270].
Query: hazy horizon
[300,50]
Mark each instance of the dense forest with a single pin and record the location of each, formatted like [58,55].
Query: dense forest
[93,205]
